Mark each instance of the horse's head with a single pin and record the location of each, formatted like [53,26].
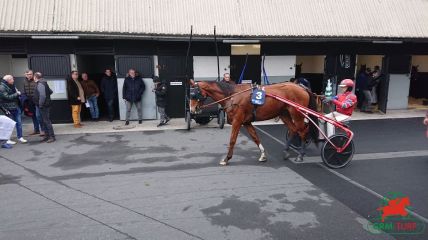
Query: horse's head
[197,96]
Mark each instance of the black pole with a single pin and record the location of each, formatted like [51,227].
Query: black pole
[188,53]
[216,50]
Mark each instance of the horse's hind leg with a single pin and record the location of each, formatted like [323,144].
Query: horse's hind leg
[252,131]
[302,131]
[286,119]
[233,136]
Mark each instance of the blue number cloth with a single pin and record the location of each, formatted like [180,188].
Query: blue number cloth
[258,97]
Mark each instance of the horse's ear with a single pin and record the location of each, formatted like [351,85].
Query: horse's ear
[192,82]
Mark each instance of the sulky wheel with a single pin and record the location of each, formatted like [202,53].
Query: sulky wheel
[221,119]
[296,142]
[188,120]
[334,159]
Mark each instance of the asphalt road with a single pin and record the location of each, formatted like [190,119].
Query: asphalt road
[168,185]
[356,186]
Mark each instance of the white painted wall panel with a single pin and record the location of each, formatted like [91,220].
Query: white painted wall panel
[205,67]
[398,94]
[279,68]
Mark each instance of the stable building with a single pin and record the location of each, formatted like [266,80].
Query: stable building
[318,40]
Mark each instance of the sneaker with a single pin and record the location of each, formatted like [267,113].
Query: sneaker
[140,121]
[22,140]
[50,140]
[7,146]
[127,123]
[161,124]
[10,142]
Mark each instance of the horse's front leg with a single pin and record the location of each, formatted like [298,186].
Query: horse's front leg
[233,136]
[252,131]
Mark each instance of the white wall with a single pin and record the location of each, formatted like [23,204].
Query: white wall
[311,64]
[19,66]
[5,65]
[398,91]
[205,67]
[280,68]
[422,61]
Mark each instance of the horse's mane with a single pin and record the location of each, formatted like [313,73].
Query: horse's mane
[227,88]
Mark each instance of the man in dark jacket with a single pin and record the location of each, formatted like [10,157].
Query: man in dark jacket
[42,99]
[109,91]
[9,98]
[161,93]
[29,87]
[132,92]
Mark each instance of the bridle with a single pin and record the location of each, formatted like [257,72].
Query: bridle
[196,94]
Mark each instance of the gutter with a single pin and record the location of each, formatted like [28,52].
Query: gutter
[226,39]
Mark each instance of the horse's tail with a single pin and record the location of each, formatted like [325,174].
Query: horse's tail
[313,130]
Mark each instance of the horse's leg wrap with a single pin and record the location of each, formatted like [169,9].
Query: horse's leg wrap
[287,148]
[263,157]
[302,153]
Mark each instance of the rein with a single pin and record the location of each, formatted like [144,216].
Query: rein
[223,99]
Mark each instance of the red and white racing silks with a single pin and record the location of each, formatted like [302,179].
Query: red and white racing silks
[345,103]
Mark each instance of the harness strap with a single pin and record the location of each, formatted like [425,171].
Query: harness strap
[221,100]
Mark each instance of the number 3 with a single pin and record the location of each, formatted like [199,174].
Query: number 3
[259,95]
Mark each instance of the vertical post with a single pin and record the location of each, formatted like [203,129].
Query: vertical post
[216,50]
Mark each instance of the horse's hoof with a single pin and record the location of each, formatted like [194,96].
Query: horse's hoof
[223,163]
[286,155]
[299,159]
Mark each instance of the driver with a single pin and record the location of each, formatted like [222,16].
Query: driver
[345,103]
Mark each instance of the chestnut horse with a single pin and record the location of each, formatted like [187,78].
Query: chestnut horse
[235,99]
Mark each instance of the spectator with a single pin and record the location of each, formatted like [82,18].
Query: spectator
[109,91]
[4,141]
[76,97]
[375,75]
[363,83]
[426,119]
[132,92]
[42,99]
[9,97]
[91,92]
[29,87]
[303,82]
[161,93]
[227,79]
[426,123]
